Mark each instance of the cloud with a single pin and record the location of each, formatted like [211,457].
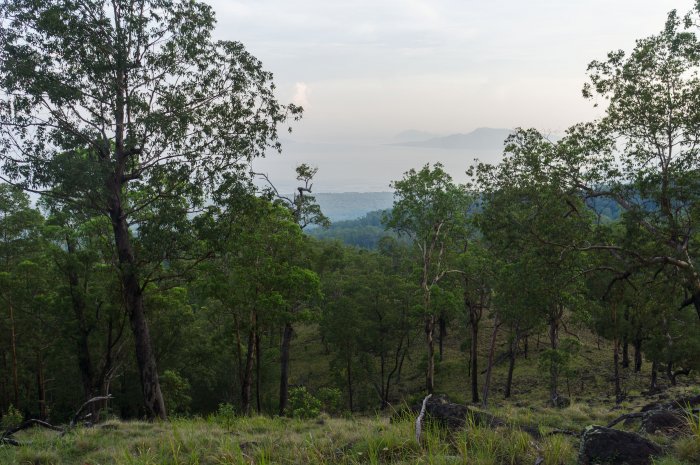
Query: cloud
[301,94]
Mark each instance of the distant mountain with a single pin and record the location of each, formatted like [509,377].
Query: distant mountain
[481,139]
[413,136]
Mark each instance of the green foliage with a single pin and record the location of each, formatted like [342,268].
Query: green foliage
[176,391]
[226,415]
[11,418]
[331,400]
[302,404]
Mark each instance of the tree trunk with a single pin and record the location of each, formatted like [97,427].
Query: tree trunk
[616,365]
[492,349]
[257,372]
[13,342]
[511,364]
[474,353]
[133,299]
[654,384]
[526,340]
[637,355]
[625,340]
[246,388]
[284,366]
[443,333]
[669,373]
[349,370]
[554,344]
[41,387]
[87,373]
[430,372]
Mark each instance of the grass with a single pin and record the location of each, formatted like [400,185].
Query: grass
[346,441]
[226,439]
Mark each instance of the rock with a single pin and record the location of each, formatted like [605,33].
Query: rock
[677,404]
[666,422]
[454,416]
[600,445]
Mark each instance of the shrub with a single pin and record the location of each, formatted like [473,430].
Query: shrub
[176,391]
[226,415]
[331,400]
[302,404]
[12,418]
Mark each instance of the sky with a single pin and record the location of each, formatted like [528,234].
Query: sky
[365,70]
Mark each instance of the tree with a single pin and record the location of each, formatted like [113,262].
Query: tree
[428,208]
[530,219]
[643,154]
[120,106]
[260,277]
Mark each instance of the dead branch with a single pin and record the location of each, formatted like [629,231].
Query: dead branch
[419,420]
[76,417]
[626,416]
[6,437]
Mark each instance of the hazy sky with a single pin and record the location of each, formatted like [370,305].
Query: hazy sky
[372,68]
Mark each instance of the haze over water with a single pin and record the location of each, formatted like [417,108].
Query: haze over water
[368,69]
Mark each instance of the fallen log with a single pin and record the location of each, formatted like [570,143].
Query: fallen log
[6,437]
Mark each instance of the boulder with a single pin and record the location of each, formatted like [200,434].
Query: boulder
[440,410]
[668,422]
[600,445]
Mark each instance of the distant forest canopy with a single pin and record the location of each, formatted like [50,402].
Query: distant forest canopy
[153,269]
[367,231]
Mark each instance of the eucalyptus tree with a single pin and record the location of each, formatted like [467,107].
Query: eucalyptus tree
[429,209]
[643,155]
[261,276]
[119,106]
[81,249]
[20,254]
[531,220]
[368,320]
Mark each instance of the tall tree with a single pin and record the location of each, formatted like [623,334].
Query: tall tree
[429,208]
[642,156]
[121,106]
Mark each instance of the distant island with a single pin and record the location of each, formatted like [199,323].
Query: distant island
[482,139]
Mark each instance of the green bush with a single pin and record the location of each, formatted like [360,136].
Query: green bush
[12,418]
[176,391]
[331,400]
[302,404]
[226,415]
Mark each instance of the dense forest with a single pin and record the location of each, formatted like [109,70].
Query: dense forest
[139,260]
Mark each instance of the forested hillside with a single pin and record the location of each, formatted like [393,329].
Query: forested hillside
[148,276]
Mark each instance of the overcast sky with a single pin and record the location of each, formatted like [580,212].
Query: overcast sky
[365,70]
[372,68]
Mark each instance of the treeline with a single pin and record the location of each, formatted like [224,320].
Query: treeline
[152,270]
